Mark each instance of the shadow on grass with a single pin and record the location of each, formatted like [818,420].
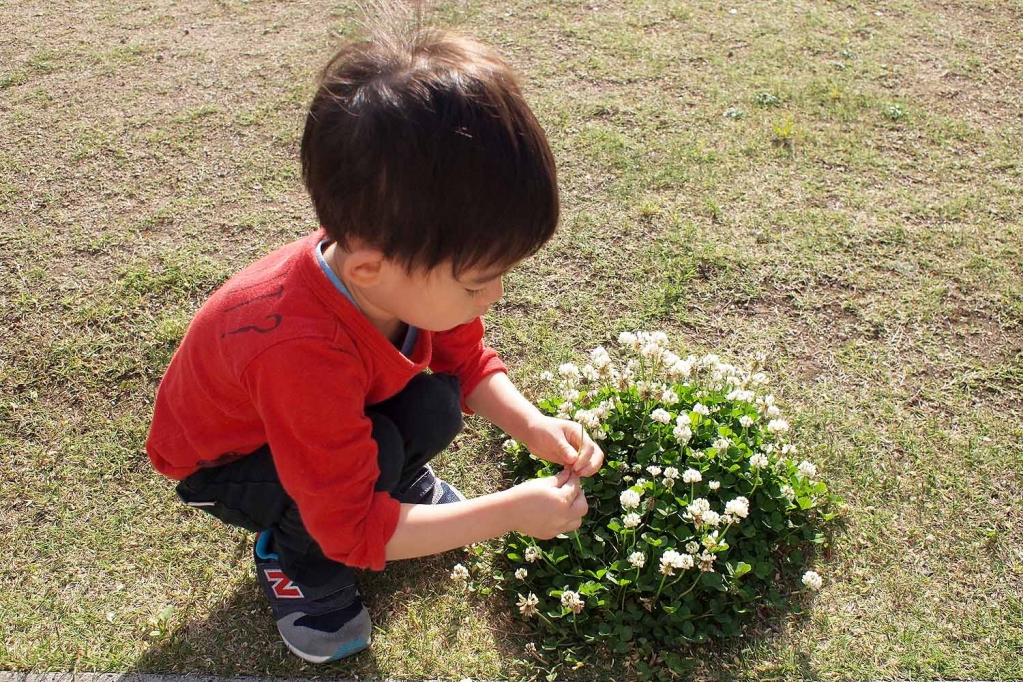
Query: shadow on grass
[238,636]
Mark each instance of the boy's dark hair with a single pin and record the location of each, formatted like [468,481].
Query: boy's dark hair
[418,142]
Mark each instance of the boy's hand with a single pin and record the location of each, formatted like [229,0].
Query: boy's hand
[546,507]
[564,442]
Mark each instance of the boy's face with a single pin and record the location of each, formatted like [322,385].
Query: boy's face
[437,300]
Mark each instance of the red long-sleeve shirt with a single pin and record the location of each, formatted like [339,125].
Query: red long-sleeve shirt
[279,356]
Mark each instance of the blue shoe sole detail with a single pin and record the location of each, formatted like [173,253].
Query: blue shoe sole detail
[263,546]
[352,647]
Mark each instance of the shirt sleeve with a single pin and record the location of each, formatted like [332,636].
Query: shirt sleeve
[461,351]
[311,399]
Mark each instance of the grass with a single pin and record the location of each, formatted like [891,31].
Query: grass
[860,224]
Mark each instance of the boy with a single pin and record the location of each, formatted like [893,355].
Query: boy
[297,405]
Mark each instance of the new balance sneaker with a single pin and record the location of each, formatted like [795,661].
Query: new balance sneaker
[318,624]
[427,488]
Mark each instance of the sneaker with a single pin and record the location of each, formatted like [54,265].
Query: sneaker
[318,624]
[428,488]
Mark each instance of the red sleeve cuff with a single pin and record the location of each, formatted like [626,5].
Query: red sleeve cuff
[381,522]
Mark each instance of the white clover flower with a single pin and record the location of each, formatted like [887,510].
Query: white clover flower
[599,434]
[546,376]
[570,371]
[710,360]
[624,380]
[570,394]
[659,338]
[711,541]
[700,408]
[788,449]
[587,418]
[669,482]
[629,499]
[460,573]
[573,601]
[722,444]
[697,509]
[669,397]
[683,434]
[698,506]
[532,553]
[636,468]
[680,369]
[628,340]
[637,559]
[671,472]
[692,476]
[746,421]
[631,520]
[692,547]
[521,574]
[671,560]
[777,426]
[758,461]
[653,470]
[741,395]
[640,481]
[773,411]
[807,469]
[707,562]
[644,389]
[589,373]
[510,445]
[600,357]
[527,605]
[661,416]
[714,485]
[788,492]
[728,519]
[812,580]
[758,379]
[710,518]
[738,507]
[566,408]
[651,351]
[628,479]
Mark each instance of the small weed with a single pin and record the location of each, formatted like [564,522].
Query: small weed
[766,99]
[894,112]
[16,78]
[649,209]
[785,133]
[734,113]
[715,211]
[160,624]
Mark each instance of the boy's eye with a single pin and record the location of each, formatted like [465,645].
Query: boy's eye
[474,292]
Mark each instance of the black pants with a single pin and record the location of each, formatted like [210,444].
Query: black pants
[410,429]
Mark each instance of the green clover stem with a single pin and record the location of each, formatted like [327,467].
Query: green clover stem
[660,587]
[691,587]
[582,441]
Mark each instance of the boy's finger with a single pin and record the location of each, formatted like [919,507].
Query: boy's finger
[579,507]
[561,478]
[573,487]
[569,453]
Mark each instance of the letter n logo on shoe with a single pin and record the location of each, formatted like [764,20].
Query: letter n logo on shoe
[282,586]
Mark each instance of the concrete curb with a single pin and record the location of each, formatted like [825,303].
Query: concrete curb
[144,677]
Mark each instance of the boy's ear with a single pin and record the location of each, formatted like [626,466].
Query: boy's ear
[363,267]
